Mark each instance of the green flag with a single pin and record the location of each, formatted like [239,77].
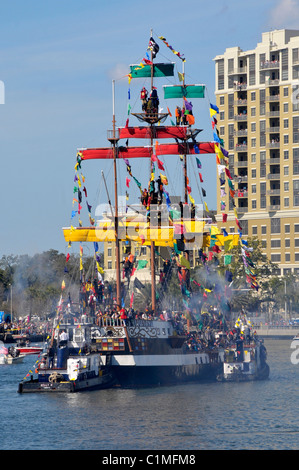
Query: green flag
[142,264]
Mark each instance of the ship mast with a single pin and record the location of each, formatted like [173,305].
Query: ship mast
[153,273]
[114,140]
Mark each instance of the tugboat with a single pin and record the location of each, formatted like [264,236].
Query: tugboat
[245,358]
[119,353]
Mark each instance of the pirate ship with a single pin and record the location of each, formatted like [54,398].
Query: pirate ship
[134,352]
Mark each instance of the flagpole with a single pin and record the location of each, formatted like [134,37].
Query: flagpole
[114,141]
[153,273]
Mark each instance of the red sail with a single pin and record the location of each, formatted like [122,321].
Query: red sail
[146,152]
[188,148]
[161,132]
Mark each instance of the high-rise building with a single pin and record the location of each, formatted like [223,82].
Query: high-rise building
[257,93]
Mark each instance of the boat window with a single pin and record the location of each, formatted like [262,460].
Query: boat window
[163,331]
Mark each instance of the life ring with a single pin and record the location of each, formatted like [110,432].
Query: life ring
[55,377]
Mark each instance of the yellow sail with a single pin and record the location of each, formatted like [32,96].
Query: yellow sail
[194,231]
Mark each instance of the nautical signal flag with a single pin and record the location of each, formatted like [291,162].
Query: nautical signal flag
[213,109]
[164,179]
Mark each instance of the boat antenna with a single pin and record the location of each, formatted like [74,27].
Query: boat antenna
[109,201]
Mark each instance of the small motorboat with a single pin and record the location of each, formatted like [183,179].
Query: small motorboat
[28,349]
[10,355]
[14,360]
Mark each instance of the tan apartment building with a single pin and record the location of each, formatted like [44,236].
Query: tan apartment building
[257,93]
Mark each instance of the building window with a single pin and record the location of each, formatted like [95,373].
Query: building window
[253,173]
[285,170]
[221,115]
[287,228]
[287,242]
[275,225]
[109,251]
[286,202]
[275,243]
[296,129]
[285,92]
[253,204]
[253,157]
[296,228]
[253,112]
[286,186]
[253,142]
[109,264]
[264,229]
[287,257]
[254,230]
[296,256]
[285,107]
[253,188]
[296,242]
[286,154]
[275,258]
[221,74]
[285,139]
[253,127]
[286,123]
[222,100]
[253,96]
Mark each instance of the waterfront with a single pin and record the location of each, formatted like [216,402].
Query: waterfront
[258,415]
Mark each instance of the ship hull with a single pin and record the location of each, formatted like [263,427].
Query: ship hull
[68,386]
[155,370]
[153,376]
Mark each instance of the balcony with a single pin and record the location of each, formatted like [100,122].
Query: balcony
[273,176]
[273,161]
[273,114]
[274,82]
[272,98]
[269,64]
[274,129]
[241,133]
[273,192]
[273,145]
[242,164]
[241,179]
[240,117]
[240,86]
[241,148]
[237,71]
[241,193]
[240,102]
[273,208]
[242,209]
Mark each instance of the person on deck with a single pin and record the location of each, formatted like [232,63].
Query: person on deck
[178,113]
[143,97]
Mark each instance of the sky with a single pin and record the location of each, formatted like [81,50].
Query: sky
[57,63]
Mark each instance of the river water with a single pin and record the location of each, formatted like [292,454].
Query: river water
[219,416]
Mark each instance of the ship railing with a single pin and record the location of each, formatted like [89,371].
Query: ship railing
[111,322]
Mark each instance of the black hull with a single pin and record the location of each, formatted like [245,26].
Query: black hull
[95,383]
[153,376]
